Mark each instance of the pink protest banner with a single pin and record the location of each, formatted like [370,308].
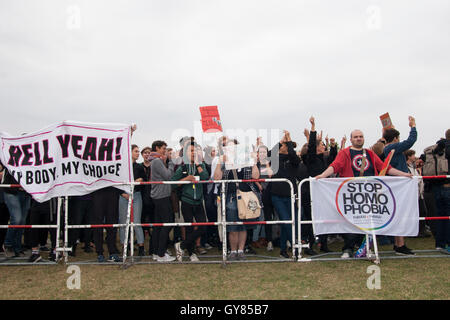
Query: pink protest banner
[69,158]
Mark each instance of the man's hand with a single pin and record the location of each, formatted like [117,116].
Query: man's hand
[258,142]
[343,141]
[319,137]
[313,123]
[412,121]
[306,133]
[126,196]
[332,142]
[287,137]
[190,178]
[164,157]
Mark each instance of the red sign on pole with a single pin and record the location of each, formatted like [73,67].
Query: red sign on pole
[210,119]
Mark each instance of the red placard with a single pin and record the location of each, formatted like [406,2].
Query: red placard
[386,120]
[210,119]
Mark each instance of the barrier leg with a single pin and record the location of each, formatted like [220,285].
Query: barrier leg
[66,229]
[293,221]
[299,231]
[368,254]
[131,227]
[224,227]
[127,228]
[375,247]
[58,223]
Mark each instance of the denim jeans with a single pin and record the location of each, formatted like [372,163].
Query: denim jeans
[282,206]
[137,212]
[442,198]
[259,228]
[18,206]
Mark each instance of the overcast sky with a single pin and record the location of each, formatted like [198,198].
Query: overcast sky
[265,64]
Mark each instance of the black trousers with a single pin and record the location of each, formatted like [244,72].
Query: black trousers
[351,240]
[148,209]
[268,213]
[211,212]
[40,214]
[105,210]
[163,214]
[192,233]
[4,218]
[148,216]
[430,204]
[27,232]
[307,229]
[422,214]
[79,210]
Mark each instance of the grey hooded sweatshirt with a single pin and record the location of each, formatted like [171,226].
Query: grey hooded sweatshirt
[159,172]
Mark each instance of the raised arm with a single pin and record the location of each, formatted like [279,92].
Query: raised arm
[218,172]
[412,138]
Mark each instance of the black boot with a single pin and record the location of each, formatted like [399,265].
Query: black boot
[74,249]
[324,248]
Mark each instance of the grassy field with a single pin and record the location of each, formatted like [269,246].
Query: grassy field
[424,278]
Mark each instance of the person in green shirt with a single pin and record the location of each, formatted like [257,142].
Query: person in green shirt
[191,200]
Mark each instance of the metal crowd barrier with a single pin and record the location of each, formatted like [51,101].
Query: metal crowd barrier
[375,257]
[8,261]
[130,224]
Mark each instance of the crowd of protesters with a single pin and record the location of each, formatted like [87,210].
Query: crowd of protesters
[319,157]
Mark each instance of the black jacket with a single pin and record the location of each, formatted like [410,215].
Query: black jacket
[443,146]
[315,163]
[289,167]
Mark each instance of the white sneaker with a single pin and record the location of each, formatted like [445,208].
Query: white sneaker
[155,257]
[179,251]
[208,246]
[194,258]
[269,246]
[166,258]
[345,255]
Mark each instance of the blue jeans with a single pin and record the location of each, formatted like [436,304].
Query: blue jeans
[442,198]
[137,212]
[259,227]
[282,206]
[18,206]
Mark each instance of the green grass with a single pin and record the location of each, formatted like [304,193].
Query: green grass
[424,278]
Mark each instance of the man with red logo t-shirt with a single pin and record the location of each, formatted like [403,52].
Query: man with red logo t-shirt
[348,163]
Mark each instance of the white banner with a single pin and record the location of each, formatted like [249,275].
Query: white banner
[367,205]
[69,158]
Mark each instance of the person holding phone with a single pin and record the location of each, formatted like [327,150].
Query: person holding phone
[191,200]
